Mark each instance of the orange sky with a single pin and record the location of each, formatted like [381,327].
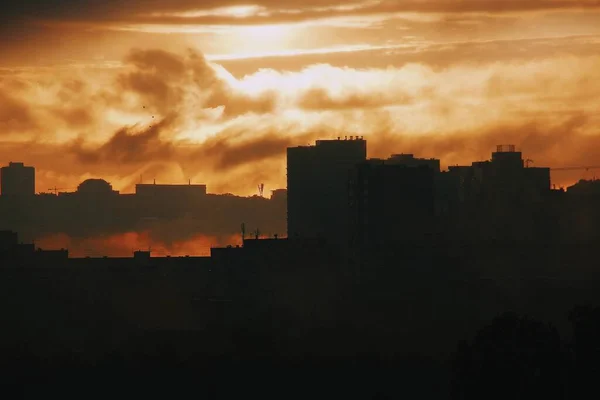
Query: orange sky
[214,91]
[124,244]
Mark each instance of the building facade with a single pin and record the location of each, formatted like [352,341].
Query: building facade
[390,203]
[317,183]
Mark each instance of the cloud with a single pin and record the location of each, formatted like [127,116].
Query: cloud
[15,115]
[170,83]
[229,12]
[204,132]
[96,30]
[229,154]
[127,147]
[319,99]
[436,55]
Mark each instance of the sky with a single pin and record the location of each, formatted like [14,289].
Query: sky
[214,91]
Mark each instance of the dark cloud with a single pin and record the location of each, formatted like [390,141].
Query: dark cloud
[232,162]
[38,31]
[564,143]
[127,147]
[132,11]
[15,115]
[470,109]
[230,149]
[166,82]
[237,104]
[229,155]
[161,62]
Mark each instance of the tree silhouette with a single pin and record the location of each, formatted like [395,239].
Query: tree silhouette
[513,357]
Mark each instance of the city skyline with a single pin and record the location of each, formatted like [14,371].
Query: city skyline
[324,196]
[370,199]
[583,171]
[216,92]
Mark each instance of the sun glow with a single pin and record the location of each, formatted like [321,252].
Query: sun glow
[235,12]
[249,40]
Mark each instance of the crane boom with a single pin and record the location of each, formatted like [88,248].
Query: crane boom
[574,168]
[55,189]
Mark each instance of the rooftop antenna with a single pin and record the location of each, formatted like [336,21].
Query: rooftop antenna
[527,162]
[256,234]
[261,189]
[243,233]
[155,181]
[189,182]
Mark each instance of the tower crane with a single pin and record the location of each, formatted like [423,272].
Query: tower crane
[55,190]
[575,168]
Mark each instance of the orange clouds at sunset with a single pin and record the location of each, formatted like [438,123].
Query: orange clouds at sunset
[215,91]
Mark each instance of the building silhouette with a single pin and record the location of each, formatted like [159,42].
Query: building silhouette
[317,183]
[279,195]
[17,180]
[8,240]
[169,201]
[169,192]
[504,178]
[390,203]
[13,253]
[95,188]
[400,306]
[585,188]
[409,160]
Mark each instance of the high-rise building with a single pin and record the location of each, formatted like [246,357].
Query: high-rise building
[17,180]
[317,180]
[506,177]
[390,203]
[8,240]
[409,160]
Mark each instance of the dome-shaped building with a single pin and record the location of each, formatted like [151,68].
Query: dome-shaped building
[95,187]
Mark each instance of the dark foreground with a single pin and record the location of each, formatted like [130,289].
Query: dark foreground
[432,325]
